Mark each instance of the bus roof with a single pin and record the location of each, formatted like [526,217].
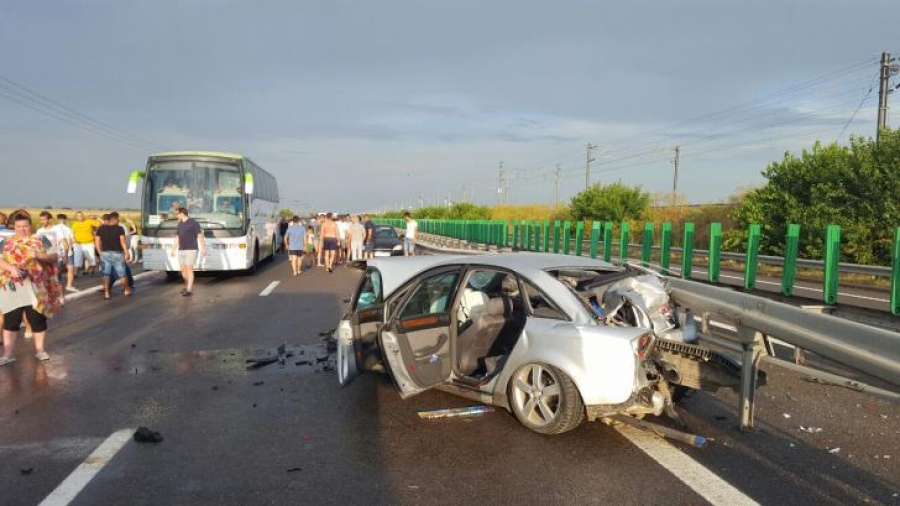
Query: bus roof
[199,153]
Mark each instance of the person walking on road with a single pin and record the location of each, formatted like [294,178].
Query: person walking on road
[67,250]
[357,238]
[83,230]
[28,287]
[189,245]
[114,254]
[409,240]
[295,244]
[369,244]
[329,241]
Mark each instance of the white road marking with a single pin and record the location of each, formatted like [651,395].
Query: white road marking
[84,473]
[269,289]
[95,289]
[700,479]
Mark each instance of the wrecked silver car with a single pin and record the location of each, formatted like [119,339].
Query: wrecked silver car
[554,339]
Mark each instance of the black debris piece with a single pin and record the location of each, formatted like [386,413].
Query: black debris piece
[254,405]
[294,469]
[303,362]
[327,368]
[26,472]
[133,345]
[321,358]
[257,362]
[259,383]
[145,435]
[215,387]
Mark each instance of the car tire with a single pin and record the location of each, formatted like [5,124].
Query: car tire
[545,399]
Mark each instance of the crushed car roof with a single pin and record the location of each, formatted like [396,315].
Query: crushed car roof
[398,270]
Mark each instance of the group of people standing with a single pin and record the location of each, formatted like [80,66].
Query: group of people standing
[328,240]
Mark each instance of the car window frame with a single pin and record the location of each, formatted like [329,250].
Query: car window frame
[523,282]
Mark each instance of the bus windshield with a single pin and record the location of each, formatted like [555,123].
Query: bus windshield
[210,191]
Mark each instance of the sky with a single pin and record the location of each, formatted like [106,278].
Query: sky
[366,106]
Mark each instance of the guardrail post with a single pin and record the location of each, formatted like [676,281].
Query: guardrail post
[579,237]
[545,233]
[624,239]
[789,268]
[556,231]
[832,257]
[665,247]
[526,232]
[687,251]
[895,275]
[515,234]
[752,260]
[715,251]
[567,237]
[595,238]
[607,241]
[647,244]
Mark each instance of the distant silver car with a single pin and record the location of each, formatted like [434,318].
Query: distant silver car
[555,339]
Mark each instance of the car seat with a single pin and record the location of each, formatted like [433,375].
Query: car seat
[476,340]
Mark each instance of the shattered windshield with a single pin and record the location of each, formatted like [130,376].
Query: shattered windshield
[211,192]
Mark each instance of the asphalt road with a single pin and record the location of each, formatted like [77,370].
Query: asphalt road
[290,435]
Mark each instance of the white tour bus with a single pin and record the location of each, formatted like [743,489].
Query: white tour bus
[233,199]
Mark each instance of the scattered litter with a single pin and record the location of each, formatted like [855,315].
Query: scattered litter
[834,450]
[413,487]
[721,417]
[294,469]
[792,445]
[133,345]
[215,387]
[786,415]
[257,362]
[887,456]
[254,404]
[145,435]
[321,357]
[811,430]
[454,412]
[303,362]
[259,383]
[26,472]
[884,416]
[306,437]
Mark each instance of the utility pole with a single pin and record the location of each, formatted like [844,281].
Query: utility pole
[462,193]
[501,184]
[887,70]
[587,166]
[558,175]
[675,178]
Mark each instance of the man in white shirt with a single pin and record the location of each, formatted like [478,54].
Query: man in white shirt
[66,250]
[409,240]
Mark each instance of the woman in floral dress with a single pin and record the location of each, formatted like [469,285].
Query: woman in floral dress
[28,287]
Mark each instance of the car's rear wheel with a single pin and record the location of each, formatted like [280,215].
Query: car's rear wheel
[545,400]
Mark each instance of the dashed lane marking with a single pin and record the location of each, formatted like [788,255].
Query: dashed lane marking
[700,479]
[84,473]
[269,289]
[95,289]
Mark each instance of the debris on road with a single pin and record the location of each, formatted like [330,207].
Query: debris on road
[456,412]
[834,450]
[259,383]
[303,362]
[306,437]
[294,469]
[145,435]
[26,472]
[811,430]
[327,333]
[786,415]
[281,355]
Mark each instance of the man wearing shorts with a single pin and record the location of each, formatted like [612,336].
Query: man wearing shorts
[369,245]
[343,227]
[189,243]
[83,252]
[113,250]
[329,241]
[294,244]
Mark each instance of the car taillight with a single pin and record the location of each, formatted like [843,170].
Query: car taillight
[643,345]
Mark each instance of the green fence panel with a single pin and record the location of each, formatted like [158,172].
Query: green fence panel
[537,235]
[687,251]
[526,231]
[607,241]
[557,230]
[579,237]
[665,247]
[789,268]
[624,239]
[647,244]
[545,242]
[832,257]
[752,262]
[895,275]
[595,238]
[567,237]
[715,252]
[515,234]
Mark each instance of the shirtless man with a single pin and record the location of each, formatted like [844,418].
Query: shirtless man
[330,241]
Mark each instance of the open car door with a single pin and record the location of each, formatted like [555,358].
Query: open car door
[358,331]
[415,342]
